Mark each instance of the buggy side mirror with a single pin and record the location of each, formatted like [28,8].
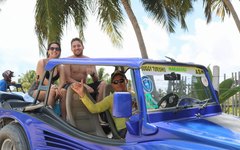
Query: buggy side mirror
[122,104]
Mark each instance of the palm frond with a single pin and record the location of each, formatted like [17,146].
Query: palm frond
[221,8]
[168,12]
[225,85]
[77,10]
[229,93]
[217,5]
[110,18]
[49,21]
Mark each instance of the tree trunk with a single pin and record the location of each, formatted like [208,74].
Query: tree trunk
[233,12]
[136,28]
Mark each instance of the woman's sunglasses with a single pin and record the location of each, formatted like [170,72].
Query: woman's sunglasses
[55,48]
[118,81]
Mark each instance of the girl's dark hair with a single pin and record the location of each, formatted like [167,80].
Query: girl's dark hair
[49,45]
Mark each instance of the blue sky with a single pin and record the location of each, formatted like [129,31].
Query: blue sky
[214,44]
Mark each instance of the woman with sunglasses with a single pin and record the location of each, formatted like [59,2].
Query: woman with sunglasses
[56,92]
[119,84]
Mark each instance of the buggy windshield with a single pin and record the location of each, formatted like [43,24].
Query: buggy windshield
[175,86]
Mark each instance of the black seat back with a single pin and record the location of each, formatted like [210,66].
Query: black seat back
[107,91]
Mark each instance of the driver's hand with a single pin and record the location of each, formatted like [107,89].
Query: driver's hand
[78,87]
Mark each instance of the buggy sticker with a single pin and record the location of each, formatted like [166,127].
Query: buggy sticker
[151,103]
[199,71]
[147,84]
[177,68]
[155,68]
[152,69]
[204,81]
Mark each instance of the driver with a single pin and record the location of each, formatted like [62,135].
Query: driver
[119,84]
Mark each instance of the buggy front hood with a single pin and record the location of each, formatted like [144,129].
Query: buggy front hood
[221,131]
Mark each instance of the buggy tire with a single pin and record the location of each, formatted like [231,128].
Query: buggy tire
[12,137]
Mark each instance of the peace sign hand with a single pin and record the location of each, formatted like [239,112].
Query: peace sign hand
[78,87]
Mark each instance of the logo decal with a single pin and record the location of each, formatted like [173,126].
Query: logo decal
[147,84]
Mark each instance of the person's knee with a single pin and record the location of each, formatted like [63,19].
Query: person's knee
[63,91]
[63,95]
[52,92]
[102,85]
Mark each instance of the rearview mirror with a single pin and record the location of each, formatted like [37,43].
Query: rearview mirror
[172,76]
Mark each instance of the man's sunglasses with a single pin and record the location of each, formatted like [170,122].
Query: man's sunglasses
[118,81]
[55,48]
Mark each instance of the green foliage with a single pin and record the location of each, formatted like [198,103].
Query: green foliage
[226,88]
[167,13]
[225,85]
[27,79]
[217,6]
[228,93]
[198,89]
[101,75]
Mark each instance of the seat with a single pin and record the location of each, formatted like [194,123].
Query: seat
[109,120]
[79,116]
[108,90]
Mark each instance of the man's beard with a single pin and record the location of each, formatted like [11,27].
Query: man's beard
[77,54]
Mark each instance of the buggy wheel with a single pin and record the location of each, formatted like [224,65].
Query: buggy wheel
[12,137]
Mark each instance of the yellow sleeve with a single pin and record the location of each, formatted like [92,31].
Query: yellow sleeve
[99,107]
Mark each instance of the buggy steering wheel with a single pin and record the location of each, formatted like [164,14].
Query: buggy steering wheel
[169,100]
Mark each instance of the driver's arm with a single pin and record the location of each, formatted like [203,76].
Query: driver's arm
[98,107]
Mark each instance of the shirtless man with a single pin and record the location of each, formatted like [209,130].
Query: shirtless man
[75,73]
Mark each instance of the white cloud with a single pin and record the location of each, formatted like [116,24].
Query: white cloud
[18,44]
[214,44]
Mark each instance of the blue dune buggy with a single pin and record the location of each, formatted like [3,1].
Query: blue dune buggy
[176,108]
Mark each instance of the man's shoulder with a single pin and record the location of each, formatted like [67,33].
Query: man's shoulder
[2,81]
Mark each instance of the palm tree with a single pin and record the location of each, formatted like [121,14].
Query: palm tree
[27,79]
[101,76]
[51,16]
[222,7]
